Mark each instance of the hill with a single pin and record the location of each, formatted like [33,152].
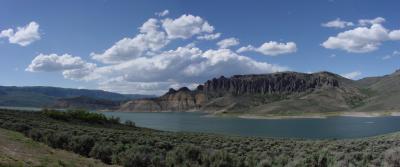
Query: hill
[18,150]
[277,93]
[38,96]
[384,93]
[83,102]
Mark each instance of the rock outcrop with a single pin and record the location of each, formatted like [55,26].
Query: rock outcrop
[277,83]
[174,100]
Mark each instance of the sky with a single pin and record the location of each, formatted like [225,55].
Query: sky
[147,46]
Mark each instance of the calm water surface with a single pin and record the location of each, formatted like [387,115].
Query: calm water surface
[332,127]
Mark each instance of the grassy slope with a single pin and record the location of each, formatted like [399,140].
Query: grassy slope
[378,96]
[21,99]
[384,93]
[18,150]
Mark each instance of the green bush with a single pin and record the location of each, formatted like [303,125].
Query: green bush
[82,115]
[222,158]
[129,123]
[82,144]
[59,140]
[137,156]
[102,151]
[185,155]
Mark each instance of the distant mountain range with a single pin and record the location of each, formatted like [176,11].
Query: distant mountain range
[38,96]
[283,93]
[280,93]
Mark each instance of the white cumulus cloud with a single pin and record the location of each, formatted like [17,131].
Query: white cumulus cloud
[150,38]
[143,64]
[228,42]
[337,23]
[271,48]
[367,22]
[209,36]
[352,75]
[395,35]
[22,35]
[163,13]
[186,26]
[358,40]
[366,38]
[394,54]
[72,67]
[155,88]
[186,65]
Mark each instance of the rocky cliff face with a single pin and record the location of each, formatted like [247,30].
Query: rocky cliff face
[174,100]
[242,91]
[277,83]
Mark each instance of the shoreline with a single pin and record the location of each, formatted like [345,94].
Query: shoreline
[299,116]
[266,116]
[321,115]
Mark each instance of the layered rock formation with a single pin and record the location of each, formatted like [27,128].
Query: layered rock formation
[240,93]
[174,100]
[277,83]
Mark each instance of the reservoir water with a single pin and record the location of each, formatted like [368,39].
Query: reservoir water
[331,127]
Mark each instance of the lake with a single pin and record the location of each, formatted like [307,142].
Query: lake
[331,127]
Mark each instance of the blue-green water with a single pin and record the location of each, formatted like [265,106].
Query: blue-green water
[331,127]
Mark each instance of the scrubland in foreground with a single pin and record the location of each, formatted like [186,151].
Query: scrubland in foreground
[18,150]
[93,135]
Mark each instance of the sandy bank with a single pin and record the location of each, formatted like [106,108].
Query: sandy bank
[322,115]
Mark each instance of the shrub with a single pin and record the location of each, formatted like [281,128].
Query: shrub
[82,115]
[185,155]
[391,157]
[19,127]
[82,144]
[138,156]
[222,158]
[264,163]
[59,140]
[102,151]
[35,134]
[129,123]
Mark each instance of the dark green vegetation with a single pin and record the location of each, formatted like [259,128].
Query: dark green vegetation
[80,115]
[38,96]
[127,145]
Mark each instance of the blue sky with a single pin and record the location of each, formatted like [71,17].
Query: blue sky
[65,43]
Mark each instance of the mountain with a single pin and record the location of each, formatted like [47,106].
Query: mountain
[38,96]
[384,92]
[87,103]
[276,93]
[174,100]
